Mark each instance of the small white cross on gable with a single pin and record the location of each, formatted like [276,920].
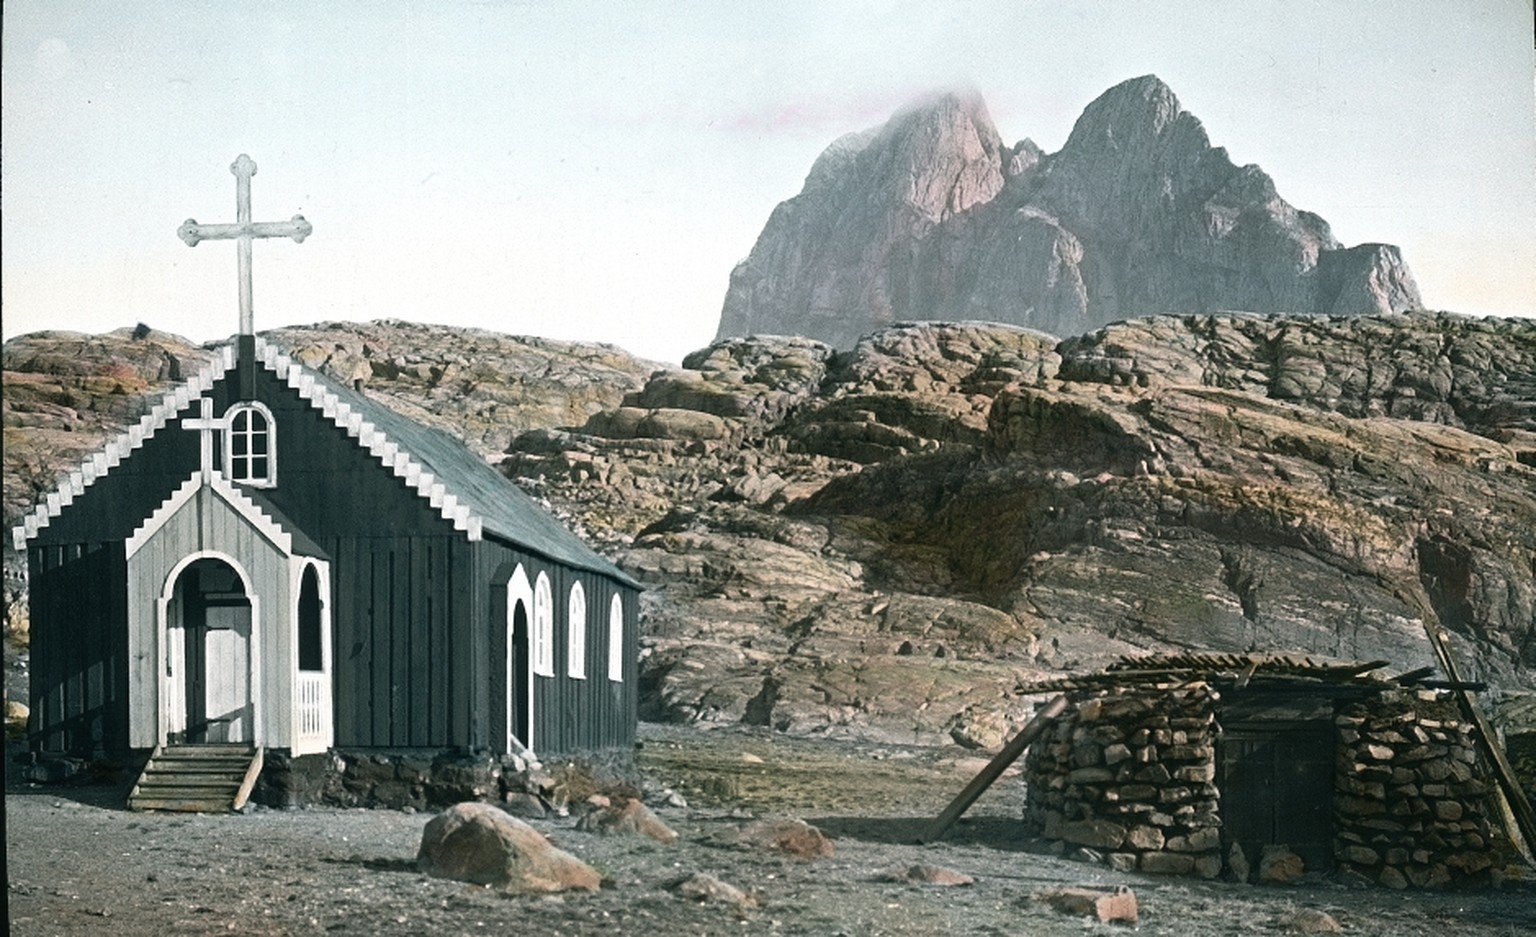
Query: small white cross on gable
[206,425]
[242,232]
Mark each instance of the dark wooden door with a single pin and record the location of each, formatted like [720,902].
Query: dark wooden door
[1276,781]
[518,666]
[195,678]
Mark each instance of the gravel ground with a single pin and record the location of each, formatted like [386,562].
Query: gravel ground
[77,863]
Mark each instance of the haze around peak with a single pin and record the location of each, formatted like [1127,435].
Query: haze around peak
[585,171]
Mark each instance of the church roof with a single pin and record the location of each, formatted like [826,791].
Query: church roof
[463,488]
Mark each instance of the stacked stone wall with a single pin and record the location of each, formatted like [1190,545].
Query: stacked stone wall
[1131,775]
[1412,807]
[432,779]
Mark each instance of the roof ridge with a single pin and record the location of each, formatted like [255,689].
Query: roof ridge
[389,453]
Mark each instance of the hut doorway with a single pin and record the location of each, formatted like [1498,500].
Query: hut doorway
[1275,771]
[213,615]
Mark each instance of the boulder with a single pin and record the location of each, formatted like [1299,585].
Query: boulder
[479,843]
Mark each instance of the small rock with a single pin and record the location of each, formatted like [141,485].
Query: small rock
[1279,866]
[1237,863]
[1310,921]
[927,875]
[527,806]
[1106,906]
[791,837]
[751,759]
[628,817]
[703,887]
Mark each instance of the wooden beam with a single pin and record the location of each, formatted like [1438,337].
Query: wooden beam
[1519,819]
[994,769]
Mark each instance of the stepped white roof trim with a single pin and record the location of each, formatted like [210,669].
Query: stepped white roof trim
[114,452]
[388,452]
[233,496]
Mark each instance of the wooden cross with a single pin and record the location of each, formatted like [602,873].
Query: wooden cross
[243,231]
[205,424]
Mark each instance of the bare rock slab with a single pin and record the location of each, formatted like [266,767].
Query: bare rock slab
[1117,905]
[480,843]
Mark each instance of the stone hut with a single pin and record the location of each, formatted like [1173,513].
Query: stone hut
[1266,768]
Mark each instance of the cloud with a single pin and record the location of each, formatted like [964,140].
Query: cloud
[819,116]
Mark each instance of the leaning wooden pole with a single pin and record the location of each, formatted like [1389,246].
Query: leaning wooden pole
[1517,807]
[994,769]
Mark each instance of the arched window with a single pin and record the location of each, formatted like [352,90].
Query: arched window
[576,633]
[543,627]
[311,655]
[616,639]
[250,450]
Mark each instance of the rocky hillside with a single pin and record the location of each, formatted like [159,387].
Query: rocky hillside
[67,393]
[933,217]
[883,542]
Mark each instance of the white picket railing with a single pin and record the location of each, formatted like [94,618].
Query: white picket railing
[314,710]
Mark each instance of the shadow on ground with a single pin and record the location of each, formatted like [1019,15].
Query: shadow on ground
[1005,833]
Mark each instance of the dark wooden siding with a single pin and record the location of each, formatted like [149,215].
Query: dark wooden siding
[79,678]
[418,646]
[569,714]
[399,581]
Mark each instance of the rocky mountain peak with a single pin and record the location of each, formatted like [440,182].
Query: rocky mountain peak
[932,217]
[1132,114]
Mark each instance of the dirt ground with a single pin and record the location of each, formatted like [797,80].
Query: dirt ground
[78,862]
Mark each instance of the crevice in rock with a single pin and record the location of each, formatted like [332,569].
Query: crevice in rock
[1239,576]
[759,711]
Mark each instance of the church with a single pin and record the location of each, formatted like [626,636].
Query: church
[270,560]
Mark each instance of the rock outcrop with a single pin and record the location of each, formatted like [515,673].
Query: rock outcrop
[932,217]
[883,542]
[956,506]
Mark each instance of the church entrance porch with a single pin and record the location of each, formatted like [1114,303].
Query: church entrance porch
[210,624]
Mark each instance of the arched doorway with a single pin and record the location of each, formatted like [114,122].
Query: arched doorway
[518,695]
[213,619]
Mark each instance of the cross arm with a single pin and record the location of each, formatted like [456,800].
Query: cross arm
[296,227]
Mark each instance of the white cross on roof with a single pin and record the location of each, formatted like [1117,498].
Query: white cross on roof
[243,231]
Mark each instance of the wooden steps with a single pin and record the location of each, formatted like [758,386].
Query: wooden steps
[213,778]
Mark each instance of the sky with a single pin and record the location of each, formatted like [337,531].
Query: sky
[593,171]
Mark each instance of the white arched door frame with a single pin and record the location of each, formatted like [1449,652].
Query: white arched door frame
[519,589]
[162,640]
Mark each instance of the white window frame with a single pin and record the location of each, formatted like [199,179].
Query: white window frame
[576,633]
[616,639]
[269,480]
[543,627]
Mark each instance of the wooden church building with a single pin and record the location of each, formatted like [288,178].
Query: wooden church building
[272,559]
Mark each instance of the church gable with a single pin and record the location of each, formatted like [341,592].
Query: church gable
[142,467]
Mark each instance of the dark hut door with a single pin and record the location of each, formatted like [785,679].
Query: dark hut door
[1276,781]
